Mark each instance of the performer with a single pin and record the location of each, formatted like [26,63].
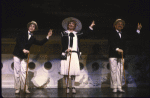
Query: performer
[24,41]
[117,40]
[71,42]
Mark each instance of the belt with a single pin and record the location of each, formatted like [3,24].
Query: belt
[75,51]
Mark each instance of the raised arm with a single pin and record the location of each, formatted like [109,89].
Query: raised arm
[92,25]
[139,27]
[37,42]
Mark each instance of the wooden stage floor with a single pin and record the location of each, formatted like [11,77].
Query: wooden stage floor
[80,92]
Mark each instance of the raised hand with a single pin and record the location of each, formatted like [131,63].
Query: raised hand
[92,24]
[50,32]
[139,26]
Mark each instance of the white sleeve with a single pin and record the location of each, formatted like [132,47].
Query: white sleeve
[63,53]
[138,31]
[47,37]
[61,33]
[117,49]
[90,28]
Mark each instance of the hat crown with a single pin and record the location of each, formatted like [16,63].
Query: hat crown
[78,23]
[117,20]
[33,22]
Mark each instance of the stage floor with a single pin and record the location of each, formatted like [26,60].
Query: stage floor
[81,92]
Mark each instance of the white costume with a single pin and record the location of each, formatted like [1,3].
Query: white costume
[116,67]
[20,66]
[74,63]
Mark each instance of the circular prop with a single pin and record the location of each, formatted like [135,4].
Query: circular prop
[108,66]
[31,65]
[1,65]
[95,66]
[48,65]
[81,66]
[12,65]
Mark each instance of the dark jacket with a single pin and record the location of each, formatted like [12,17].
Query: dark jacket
[22,42]
[115,41]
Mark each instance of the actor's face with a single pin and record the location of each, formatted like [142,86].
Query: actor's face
[119,26]
[71,26]
[31,27]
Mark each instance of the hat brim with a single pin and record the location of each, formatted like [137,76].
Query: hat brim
[119,21]
[78,23]
[36,27]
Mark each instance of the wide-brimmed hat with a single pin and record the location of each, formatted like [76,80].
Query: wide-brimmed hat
[33,22]
[119,20]
[78,23]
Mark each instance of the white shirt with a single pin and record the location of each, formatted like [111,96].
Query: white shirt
[29,35]
[75,44]
[119,33]
[90,28]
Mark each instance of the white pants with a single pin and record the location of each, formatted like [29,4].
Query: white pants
[20,66]
[116,69]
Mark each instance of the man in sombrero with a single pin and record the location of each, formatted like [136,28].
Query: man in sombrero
[24,41]
[71,44]
[117,46]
